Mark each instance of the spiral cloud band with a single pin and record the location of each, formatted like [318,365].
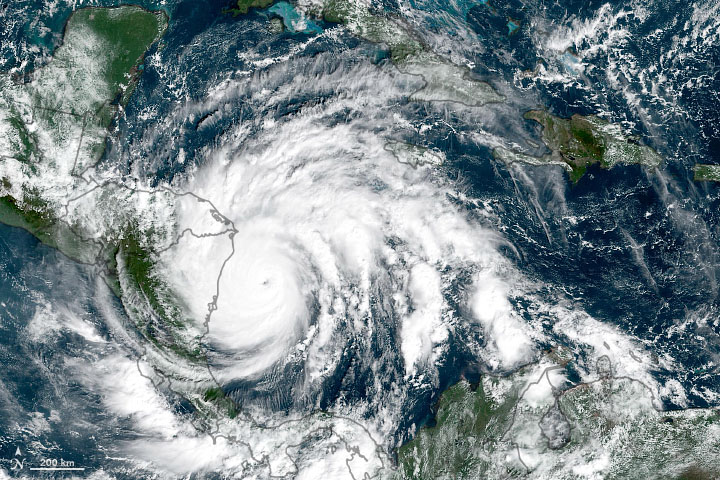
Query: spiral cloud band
[328,222]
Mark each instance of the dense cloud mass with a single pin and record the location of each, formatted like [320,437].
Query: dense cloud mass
[289,242]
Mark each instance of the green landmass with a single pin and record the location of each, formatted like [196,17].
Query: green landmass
[126,32]
[52,131]
[580,141]
[23,142]
[444,81]
[276,25]
[96,65]
[33,221]
[33,215]
[467,422]
[244,6]
[524,424]
[359,20]
[707,173]
[139,262]
[374,28]
[413,155]
[161,319]
[72,99]
[217,397]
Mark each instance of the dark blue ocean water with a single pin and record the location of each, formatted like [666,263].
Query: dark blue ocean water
[632,247]
[46,412]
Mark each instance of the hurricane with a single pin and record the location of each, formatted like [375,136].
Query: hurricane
[335,242]
[349,239]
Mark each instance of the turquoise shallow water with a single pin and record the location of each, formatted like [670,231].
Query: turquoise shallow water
[590,259]
[27,39]
[294,21]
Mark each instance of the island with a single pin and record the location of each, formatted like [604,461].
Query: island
[577,142]
[52,134]
[244,6]
[706,173]
[444,80]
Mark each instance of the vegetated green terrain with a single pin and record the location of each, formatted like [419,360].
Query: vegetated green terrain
[37,219]
[71,100]
[24,142]
[217,396]
[244,6]
[580,141]
[139,263]
[525,424]
[359,21]
[707,173]
[127,32]
[444,81]
[468,425]
[373,28]
[163,321]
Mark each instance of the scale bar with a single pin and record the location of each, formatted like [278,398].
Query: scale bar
[64,469]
